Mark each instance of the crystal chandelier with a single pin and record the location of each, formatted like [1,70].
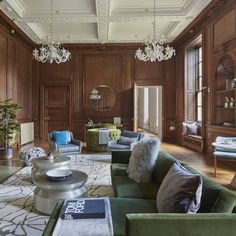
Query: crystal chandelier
[51,51]
[154,50]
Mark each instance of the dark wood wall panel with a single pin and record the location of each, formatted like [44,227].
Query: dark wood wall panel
[217,24]
[102,70]
[16,74]
[3,67]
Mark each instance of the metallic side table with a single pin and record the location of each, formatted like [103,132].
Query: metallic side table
[47,193]
[42,164]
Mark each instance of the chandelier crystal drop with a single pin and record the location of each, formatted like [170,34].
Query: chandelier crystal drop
[51,51]
[154,50]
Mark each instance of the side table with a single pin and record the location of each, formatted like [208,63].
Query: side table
[47,193]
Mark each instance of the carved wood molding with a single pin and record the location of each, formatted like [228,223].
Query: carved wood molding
[214,9]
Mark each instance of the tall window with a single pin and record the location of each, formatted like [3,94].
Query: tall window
[193,82]
[199,83]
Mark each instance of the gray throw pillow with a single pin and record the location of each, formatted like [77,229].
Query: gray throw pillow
[193,129]
[143,159]
[180,191]
[126,140]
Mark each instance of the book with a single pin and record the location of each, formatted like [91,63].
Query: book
[83,209]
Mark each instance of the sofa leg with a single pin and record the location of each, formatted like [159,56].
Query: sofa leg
[215,165]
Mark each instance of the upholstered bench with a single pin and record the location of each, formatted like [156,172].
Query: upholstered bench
[92,139]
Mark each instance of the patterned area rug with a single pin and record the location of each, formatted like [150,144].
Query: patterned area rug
[17,214]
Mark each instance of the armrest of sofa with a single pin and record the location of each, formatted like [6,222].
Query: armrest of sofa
[121,157]
[152,224]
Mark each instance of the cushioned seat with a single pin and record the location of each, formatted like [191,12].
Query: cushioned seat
[124,187]
[92,139]
[119,169]
[121,207]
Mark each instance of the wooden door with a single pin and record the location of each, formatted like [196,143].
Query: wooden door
[56,108]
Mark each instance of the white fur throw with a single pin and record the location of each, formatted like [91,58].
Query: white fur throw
[143,159]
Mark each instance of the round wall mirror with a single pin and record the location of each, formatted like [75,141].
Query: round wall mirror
[102,98]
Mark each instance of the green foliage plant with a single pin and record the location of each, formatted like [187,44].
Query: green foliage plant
[8,123]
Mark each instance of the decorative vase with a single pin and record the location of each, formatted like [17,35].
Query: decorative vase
[6,153]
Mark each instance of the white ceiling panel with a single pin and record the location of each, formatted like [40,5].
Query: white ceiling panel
[103,21]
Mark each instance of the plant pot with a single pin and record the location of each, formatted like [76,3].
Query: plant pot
[6,153]
[172,127]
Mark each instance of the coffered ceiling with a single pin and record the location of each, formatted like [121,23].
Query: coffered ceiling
[102,21]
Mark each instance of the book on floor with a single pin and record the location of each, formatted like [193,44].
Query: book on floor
[83,209]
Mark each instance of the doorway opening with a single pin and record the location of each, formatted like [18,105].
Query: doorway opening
[148,109]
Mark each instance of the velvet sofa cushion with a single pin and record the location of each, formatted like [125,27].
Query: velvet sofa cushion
[121,207]
[124,187]
[61,137]
[180,191]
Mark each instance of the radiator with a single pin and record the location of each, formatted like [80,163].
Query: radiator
[26,133]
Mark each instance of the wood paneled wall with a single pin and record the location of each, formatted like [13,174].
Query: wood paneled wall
[93,65]
[16,70]
[218,28]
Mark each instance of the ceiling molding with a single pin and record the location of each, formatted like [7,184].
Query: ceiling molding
[102,21]
[102,16]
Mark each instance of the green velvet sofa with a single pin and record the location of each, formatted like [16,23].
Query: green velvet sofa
[134,209]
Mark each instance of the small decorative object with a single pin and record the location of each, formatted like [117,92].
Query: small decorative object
[172,124]
[90,122]
[117,120]
[8,125]
[231,104]
[226,104]
[50,156]
[28,154]
[227,84]
[232,83]
[59,174]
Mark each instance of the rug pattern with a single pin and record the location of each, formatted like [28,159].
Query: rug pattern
[17,214]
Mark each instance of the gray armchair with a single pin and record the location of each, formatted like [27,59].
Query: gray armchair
[71,145]
[126,142]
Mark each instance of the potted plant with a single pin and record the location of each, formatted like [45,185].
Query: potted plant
[8,125]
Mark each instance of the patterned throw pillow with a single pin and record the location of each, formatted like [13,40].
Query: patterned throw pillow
[180,191]
[126,140]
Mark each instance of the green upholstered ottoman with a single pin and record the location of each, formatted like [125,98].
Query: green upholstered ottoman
[92,139]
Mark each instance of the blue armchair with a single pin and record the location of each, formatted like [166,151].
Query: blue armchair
[126,142]
[64,142]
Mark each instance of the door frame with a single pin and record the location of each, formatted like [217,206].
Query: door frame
[160,116]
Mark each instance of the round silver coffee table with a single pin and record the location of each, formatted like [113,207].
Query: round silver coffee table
[42,164]
[47,193]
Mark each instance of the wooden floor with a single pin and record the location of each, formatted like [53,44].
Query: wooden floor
[199,161]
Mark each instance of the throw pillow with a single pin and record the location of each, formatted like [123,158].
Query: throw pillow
[193,129]
[61,137]
[126,140]
[143,159]
[180,191]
